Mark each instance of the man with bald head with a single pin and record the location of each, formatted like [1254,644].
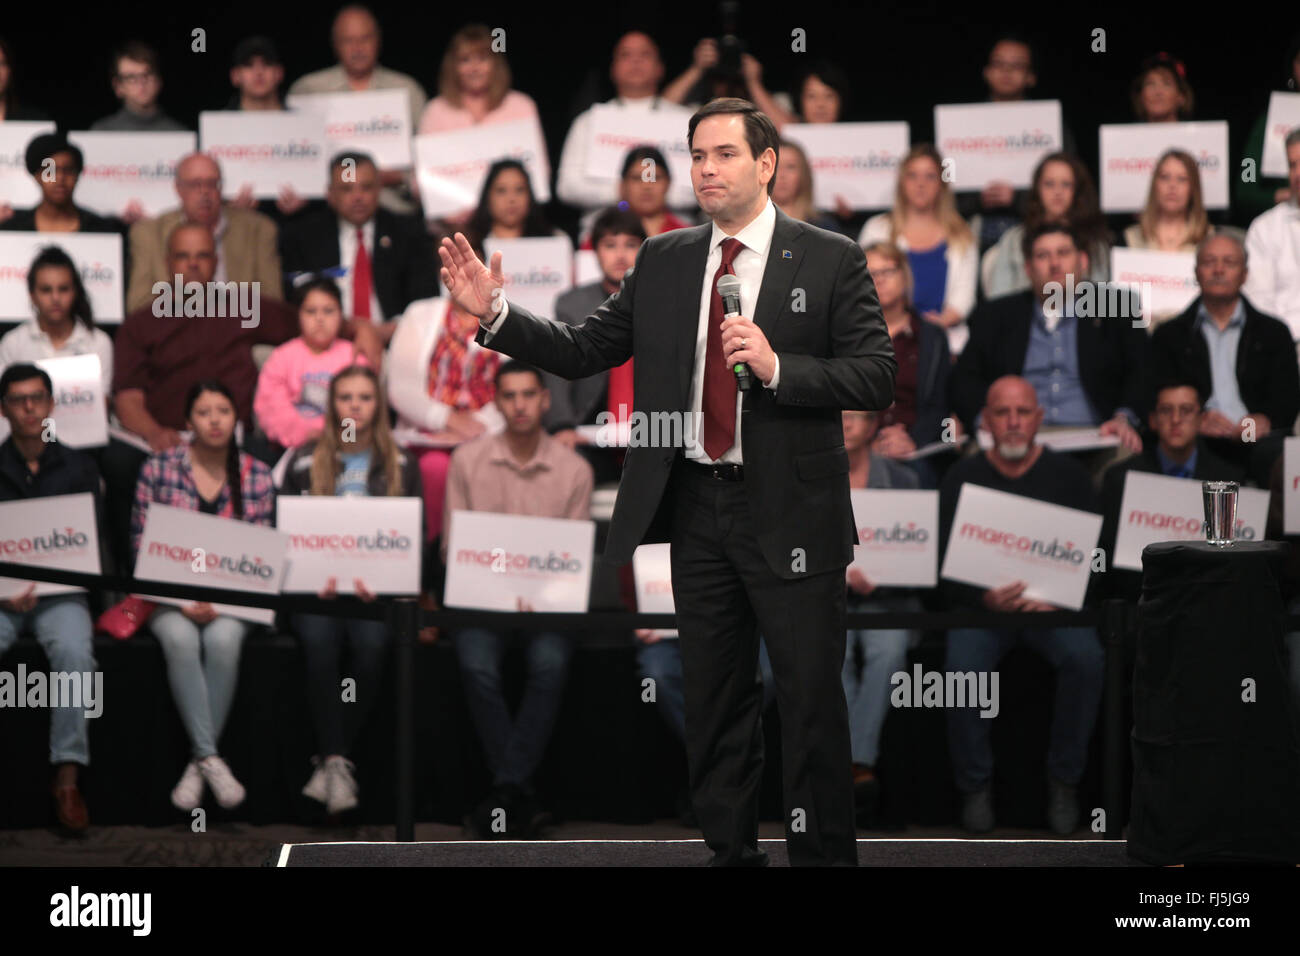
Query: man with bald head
[245,239]
[1018,465]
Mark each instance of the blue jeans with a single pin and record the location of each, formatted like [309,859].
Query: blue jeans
[662,663]
[1075,654]
[884,653]
[202,668]
[514,746]
[61,623]
[322,640]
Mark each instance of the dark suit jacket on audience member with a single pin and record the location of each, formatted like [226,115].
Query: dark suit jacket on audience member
[934,366]
[580,401]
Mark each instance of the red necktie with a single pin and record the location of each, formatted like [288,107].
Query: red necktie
[361,279]
[719,402]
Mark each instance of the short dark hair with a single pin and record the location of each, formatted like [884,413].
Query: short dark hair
[136,50]
[1178,381]
[614,221]
[48,144]
[1010,36]
[831,75]
[250,48]
[23,372]
[638,154]
[1046,229]
[357,157]
[760,133]
[512,367]
[316,282]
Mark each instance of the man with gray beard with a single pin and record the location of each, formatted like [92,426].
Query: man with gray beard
[1018,465]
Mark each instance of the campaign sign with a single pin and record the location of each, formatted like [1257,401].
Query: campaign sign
[652,573]
[80,415]
[377,122]
[1291,486]
[185,547]
[267,150]
[536,270]
[97,255]
[1128,160]
[614,130]
[992,142]
[122,168]
[1283,116]
[494,560]
[898,534]
[999,538]
[1165,281]
[57,533]
[1160,508]
[450,167]
[586,267]
[854,161]
[378,540]
[17,187]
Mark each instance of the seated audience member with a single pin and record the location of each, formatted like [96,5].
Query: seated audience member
[1018,465]
[617,235]
[364,462]
[521,471]
[1177,451]
[1240,357]
[56,211]
[356,40]
[201,647]
[293,386]
[441,381]
[1256,195]
[1273,247]
[64,324]
[643,189]
[13,107]
[793,190]
[507,208]
[940,248]
[1174,217]
[1062,191]
[1160,92]
[1086,370]
[136,82]
[386,257]
[31,467]
[246,239]
[915,419]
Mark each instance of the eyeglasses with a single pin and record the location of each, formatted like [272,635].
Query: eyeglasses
[885,272]
[18,401]
[137,78]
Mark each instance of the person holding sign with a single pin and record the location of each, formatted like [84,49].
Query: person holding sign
[210,475]
[1161,93]
[31,466]
[507,207]
[354,455]
[56,165]
[757,505]
[1018,465]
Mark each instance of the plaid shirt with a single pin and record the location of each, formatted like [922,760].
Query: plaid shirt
[167,479]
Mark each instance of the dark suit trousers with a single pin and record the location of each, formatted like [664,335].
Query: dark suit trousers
[725,593]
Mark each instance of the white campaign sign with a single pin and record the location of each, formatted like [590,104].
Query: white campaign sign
[450,167]
[652,572]
[80,415]
[97,255]
[586,267]
[122,168]
[17,187]
[990,142]
[1160,508]
[57,533]
[536,270]
[614,130]
[1170,277]
[377,122]
[1291,486]
[1128,160]
[232,554]
[494,560]
[856,161]
[1283,116]
[378,540]
[898,534]
[998,538]
[267,150]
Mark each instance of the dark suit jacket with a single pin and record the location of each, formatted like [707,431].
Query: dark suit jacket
[1268,377]
[577,402]
[403,263]
[1112,357]
[24,220]
[933,369]
[835,353]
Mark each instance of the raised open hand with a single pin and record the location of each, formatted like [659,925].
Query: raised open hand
[474,287]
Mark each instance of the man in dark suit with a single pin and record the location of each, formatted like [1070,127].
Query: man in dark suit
[760,539]
[1242,359]
[1086,368]
[383,261]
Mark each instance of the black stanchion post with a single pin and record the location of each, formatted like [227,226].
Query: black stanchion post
[403,622]
[1114,625]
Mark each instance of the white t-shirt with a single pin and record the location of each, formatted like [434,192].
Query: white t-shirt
[27,343]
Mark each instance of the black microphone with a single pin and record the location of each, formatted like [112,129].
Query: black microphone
[729,289]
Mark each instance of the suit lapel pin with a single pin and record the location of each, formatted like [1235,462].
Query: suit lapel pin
[385,242]
[787,254]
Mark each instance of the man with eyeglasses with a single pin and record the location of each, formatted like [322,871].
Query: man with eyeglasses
[137,83]
[246,240]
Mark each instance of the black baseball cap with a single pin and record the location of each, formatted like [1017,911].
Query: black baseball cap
[251,47]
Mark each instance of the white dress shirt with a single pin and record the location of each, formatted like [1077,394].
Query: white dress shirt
[27,343]
[218,238]
[348,260]
[1273,264]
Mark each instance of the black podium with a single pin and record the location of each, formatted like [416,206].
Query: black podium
[1216,775]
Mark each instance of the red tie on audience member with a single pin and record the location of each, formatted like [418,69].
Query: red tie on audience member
[620,392]
[361,279]
[719,399]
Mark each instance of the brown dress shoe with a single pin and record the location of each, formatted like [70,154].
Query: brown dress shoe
[71,808]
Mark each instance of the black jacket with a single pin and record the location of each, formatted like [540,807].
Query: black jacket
[933,368]
[297,474]
[1268,377]
[63,471]
[24,220]
[1112,357]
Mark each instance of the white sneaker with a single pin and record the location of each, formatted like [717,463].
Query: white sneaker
[228,791]
[189,792]
[318,786]
[341,786]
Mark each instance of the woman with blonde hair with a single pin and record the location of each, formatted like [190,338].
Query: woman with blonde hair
[793,190]
[940,247]
[1174,217]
